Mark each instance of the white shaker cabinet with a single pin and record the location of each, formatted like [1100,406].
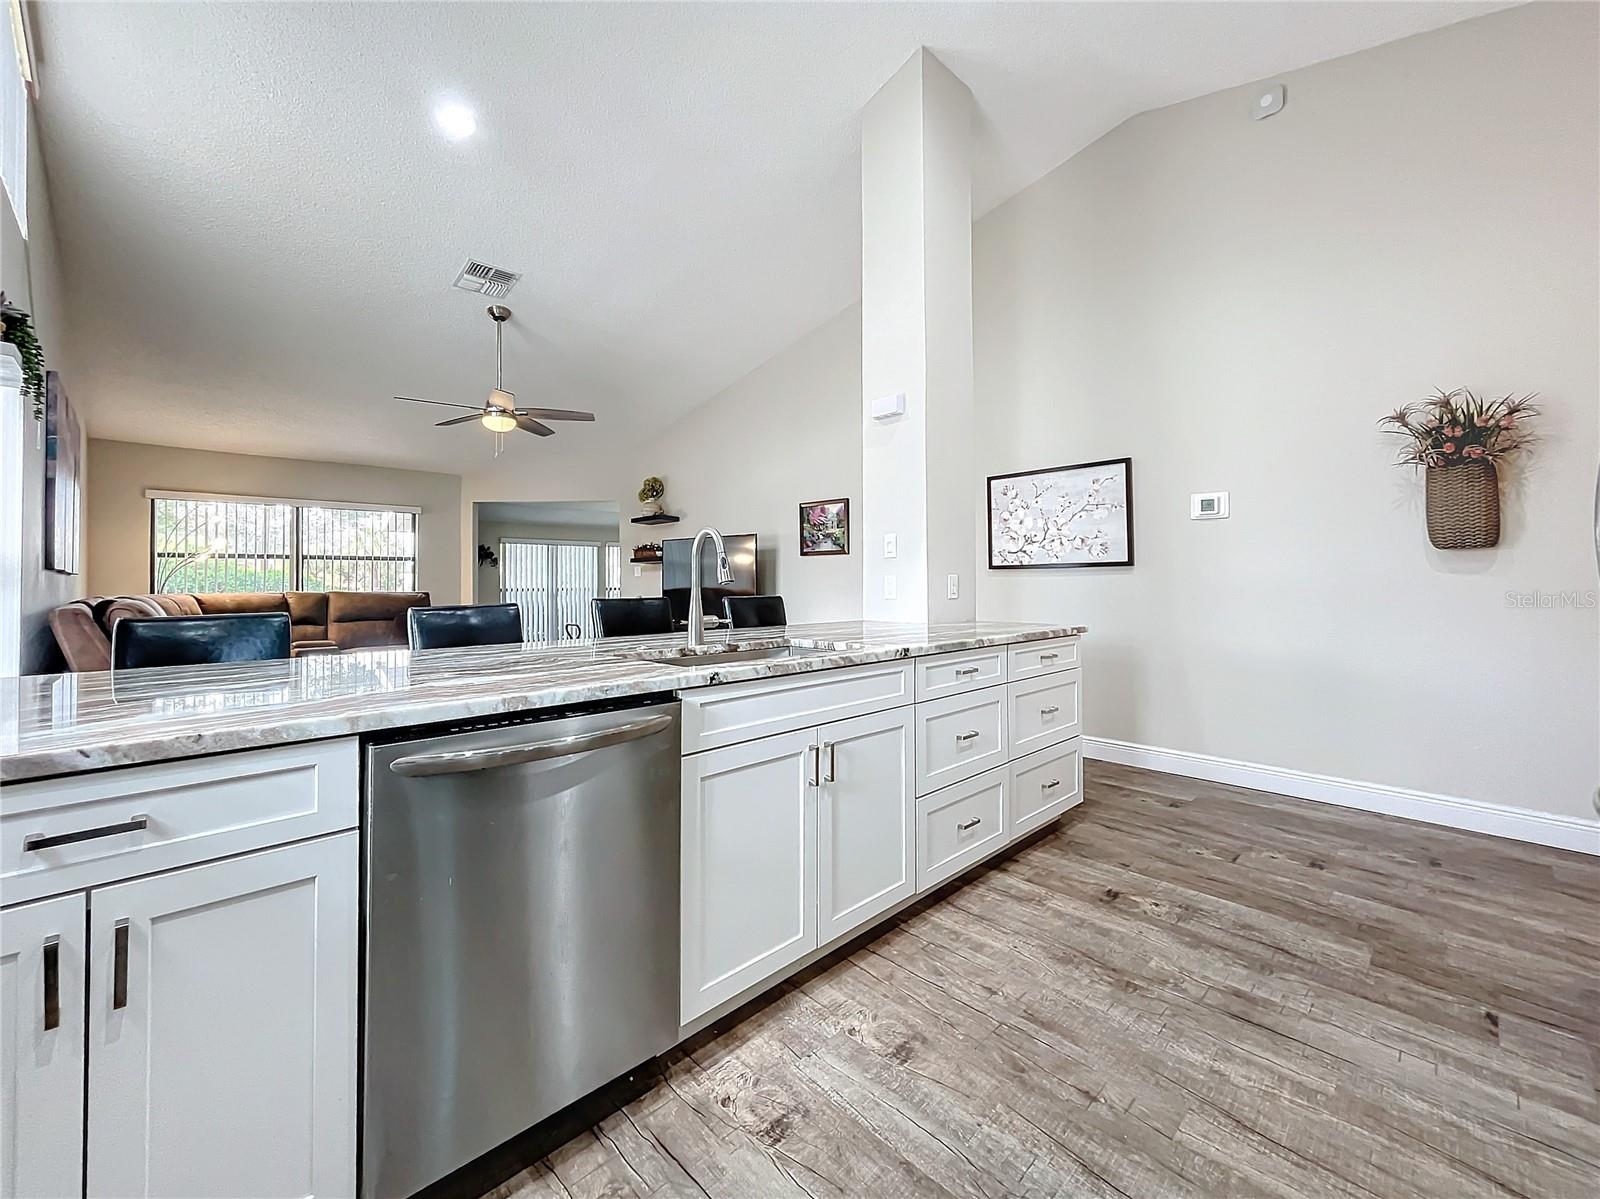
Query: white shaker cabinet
[749,890]
[222,1027]
[41,1048]
[866,853]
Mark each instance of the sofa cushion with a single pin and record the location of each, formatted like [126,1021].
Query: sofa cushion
[228,603]
[361,618]
[308,612]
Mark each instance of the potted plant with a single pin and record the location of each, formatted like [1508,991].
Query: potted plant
[650,493]
[16,328]
[1457,438]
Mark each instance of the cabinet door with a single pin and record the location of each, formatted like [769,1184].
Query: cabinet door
[866,848]
[41,1048]
[749,903]
[222,1028]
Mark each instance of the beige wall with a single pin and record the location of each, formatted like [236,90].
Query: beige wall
[491,532]
[744,461]
[119,514]
[30,275]
[1234,303]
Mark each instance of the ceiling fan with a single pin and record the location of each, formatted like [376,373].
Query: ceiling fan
[499,413]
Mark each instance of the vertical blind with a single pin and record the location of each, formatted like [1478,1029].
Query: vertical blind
[204,544]
[552,583]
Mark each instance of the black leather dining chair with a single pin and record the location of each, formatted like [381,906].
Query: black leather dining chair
[199,640]
[754,611]
[451,626]
[631,617]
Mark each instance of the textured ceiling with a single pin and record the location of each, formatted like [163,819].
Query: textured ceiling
[259,223]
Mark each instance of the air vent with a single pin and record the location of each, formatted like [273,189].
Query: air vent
[486,280]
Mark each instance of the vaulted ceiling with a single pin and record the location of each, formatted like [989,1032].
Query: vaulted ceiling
[260,223]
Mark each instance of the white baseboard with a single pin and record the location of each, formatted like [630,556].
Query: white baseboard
[1519,824]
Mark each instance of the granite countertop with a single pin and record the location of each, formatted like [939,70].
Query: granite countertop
[68,723]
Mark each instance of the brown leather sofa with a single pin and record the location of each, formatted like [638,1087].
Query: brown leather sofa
[319,620]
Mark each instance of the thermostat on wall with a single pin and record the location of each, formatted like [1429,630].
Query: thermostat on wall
[1208,505]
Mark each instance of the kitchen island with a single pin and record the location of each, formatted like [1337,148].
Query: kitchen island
[184,901]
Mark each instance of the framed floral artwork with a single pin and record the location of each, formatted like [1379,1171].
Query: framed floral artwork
[1062,516]
[825,527]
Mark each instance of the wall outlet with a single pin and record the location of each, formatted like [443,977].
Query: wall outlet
[1208,505]
[891,545]
[952,587]
[637,571]
[889,591]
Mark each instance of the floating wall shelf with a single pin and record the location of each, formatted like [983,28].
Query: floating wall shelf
[659,519]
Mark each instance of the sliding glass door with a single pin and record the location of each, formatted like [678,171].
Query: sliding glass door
[552,582]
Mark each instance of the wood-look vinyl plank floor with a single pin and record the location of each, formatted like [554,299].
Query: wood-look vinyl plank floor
[1183,989]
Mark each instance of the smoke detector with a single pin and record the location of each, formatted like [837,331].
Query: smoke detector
[485,280]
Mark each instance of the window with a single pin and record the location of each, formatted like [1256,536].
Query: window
[236,543]
[14,115]
[553,582]
[613,570]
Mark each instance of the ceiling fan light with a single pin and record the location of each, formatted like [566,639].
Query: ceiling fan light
[501,398]
[498,420]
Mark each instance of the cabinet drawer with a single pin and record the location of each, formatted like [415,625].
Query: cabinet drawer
[1032,658]
[951,674]
[1045,784]
[734,712]
[960,736]
[148,818]
[1044,711]
[960,825]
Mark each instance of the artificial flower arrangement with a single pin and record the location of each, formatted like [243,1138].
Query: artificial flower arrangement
[1459,437]
[1453,427]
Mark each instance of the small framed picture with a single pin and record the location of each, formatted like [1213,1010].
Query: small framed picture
[825,527]
[1062,516]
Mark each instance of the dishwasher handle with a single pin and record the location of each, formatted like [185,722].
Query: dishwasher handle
[463,761]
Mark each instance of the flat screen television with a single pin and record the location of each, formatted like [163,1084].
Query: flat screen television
[741,549]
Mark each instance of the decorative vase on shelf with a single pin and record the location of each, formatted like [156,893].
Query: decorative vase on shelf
[1463,505]
[650,493]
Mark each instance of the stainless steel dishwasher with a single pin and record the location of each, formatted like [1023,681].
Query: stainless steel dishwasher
[521,900]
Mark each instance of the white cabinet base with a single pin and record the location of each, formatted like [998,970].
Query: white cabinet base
[225,1065]
[866,861]
[1044,785]
[41,1048]
[961,825]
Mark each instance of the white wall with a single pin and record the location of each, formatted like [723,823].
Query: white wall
[119,514]
[1234,303]
[787,433]
[492,532]
[30,275]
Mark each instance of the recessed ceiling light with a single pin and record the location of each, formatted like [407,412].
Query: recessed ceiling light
[455,120]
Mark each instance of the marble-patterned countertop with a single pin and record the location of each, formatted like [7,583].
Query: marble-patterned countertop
[69,723]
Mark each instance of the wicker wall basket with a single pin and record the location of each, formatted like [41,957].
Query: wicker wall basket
[1463,506]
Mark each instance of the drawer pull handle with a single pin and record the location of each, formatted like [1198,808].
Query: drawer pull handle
[967,736]
[969,824]
[52,983]
[833,761]
[37,841]
[1048,657]
[119,965]
[966,670]
[1050,711]
[1051,785]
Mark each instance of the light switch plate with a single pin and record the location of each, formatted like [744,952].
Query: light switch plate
[952,587]
[889,591]
[1208,505]
[890,545]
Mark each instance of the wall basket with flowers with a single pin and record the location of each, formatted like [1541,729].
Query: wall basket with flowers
[1457,438]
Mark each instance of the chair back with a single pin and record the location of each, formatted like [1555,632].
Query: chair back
[199,640]
[754,611]
[631,617]
[451,626]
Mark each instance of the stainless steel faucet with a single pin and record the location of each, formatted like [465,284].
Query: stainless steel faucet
[697,608]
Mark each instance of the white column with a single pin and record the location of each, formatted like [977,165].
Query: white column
[918,484]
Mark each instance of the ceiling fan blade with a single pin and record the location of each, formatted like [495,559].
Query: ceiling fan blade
[555,413]
[529,425]
[441,403]
[457,420]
